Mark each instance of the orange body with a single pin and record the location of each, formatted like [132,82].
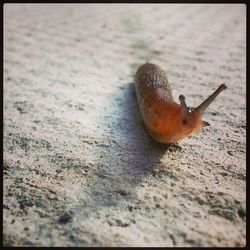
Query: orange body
[166,120]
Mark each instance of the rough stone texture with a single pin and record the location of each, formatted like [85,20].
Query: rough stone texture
[79,168]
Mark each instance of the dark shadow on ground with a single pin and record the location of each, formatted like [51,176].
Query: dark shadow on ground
[127,153]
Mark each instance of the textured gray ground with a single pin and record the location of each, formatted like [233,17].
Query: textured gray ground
[79,168]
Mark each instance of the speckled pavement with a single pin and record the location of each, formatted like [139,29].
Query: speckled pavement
[79,168]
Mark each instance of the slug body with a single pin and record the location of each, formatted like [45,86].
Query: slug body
[166,120]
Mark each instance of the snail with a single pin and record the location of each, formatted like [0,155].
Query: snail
[167,121]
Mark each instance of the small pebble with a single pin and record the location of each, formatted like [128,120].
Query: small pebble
[65,218]
[242,213]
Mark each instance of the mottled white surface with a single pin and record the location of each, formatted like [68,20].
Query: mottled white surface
[79,168]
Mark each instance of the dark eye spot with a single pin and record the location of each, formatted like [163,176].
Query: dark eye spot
[184,122]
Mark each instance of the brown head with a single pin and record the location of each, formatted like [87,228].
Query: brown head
[171,122]
[191,118]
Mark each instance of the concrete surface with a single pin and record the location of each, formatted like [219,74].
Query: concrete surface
[79,168]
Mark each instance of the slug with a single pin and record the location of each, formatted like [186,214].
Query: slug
[167,121]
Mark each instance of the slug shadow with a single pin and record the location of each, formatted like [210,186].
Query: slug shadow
[129,155]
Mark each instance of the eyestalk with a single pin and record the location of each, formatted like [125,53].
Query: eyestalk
[203,106]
